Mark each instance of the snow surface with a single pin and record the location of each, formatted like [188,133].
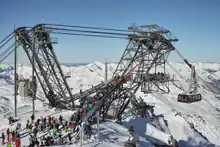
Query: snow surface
[171,117]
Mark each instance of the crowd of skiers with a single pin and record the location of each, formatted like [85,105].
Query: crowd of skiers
[88,104]
[46,131]
[117,79]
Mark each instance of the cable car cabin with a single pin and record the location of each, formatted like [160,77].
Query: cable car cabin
[189,98]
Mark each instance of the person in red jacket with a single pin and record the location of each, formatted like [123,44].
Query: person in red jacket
[3,138]
[13,136]
[18,143]
[129,76]
[83,110]
[8,133]
[69,125]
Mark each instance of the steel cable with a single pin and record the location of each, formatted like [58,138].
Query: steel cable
[89,35]
[6,37]
[86,27]
[6,41]
[6,51]
[7,54]
[86,31]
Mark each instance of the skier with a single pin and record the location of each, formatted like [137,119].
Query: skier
[45,122]
[51,123]
[32,118]
[3,138]
[13,136]
[9,120]
[57,127]
[49,140]
[27,124]
[61,120]
[65,128]
[18,143]
[35,131]
[69,136]
[78,116]
[31,140]
[53,133]
[88,129]
[69,125]
[93,101]
[66,123]
[37,143]
[9,144]
[60,139]
[38,121]
[30,129]
[89,106]
[8,134]
[84,126]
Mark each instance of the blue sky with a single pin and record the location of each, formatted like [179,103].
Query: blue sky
[194,22]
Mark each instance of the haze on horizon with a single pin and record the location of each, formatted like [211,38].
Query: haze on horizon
[194,23]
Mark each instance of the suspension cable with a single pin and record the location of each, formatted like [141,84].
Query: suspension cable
[6,51]
[6,38]
[174,69]
[6,42]
[179,54]
[86,27]
[85,31]
[76,34]
[181,86]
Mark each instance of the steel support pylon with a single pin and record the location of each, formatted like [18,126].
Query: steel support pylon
[146,50]
[47,67]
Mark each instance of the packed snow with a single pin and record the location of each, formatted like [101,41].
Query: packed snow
[170,117]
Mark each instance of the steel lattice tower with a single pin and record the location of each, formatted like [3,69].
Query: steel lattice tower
[148,48]
[47,67]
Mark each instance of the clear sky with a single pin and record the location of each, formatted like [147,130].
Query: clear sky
[194,22]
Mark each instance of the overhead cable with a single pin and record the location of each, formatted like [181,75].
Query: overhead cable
[77,34]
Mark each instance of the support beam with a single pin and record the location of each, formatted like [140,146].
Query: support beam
[106,70]
[98,130]
[33,77]
[15,77]
[81,134]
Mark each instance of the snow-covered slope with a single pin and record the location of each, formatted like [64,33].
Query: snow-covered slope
[171,117]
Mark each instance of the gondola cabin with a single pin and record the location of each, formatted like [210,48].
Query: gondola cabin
[189,98]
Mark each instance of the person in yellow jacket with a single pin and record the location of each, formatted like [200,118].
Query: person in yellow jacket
[9,144]
[65,129]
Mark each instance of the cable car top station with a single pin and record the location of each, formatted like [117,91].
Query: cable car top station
[148,48]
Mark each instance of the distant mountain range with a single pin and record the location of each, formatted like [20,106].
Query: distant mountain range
[78,64]
[81,64]
[74,64]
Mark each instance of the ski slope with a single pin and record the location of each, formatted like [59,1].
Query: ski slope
[170,117]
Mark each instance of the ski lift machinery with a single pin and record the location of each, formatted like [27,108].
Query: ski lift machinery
[191,95]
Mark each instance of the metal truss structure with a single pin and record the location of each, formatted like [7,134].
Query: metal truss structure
[142,65]
[147,49]
[47,67]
